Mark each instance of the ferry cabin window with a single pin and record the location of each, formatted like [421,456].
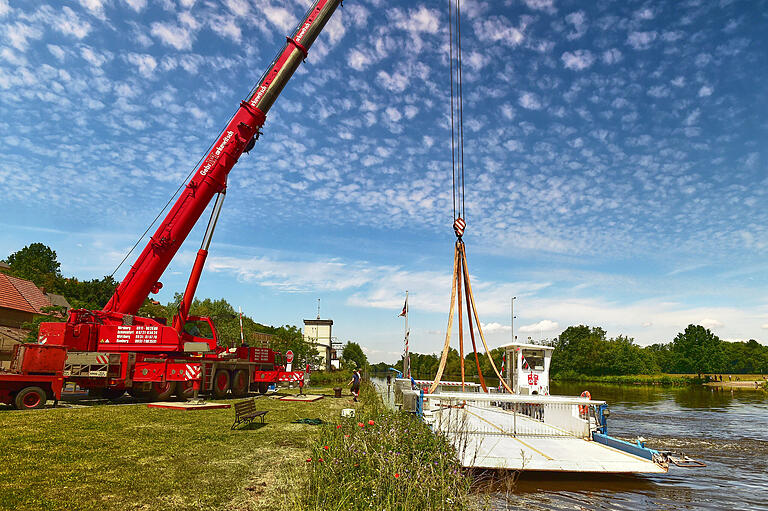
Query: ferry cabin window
[535,359]
[198,329]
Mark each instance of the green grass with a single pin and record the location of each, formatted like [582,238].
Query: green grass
[134,457]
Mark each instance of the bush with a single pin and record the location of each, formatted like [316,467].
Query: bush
[381,459]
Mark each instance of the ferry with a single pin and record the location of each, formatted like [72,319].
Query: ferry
[529,429]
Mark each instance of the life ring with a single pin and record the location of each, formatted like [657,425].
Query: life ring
[583,409]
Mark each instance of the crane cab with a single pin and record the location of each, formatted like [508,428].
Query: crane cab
[527,368]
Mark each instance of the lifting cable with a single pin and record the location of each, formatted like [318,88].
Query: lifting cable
[461,284]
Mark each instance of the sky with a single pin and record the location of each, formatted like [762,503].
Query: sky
[616,159]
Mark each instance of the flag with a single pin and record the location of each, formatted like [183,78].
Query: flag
[405,308]
[525,362]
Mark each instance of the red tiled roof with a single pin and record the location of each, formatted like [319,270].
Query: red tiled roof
[20,294]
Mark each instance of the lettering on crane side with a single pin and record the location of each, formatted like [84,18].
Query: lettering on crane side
[303,30]
[259,94]
[215,156]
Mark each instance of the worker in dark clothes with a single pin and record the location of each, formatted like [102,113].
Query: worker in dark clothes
[355,384]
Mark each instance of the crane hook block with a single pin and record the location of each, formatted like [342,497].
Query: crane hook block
[458,227]
[156,288]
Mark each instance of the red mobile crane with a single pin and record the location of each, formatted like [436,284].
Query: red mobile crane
[114,350]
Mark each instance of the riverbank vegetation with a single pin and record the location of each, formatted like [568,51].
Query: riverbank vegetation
[380,459]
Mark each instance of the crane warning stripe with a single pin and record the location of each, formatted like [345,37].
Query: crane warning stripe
[102,359]
[192,372]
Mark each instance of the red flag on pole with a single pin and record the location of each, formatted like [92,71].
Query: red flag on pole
[405,308]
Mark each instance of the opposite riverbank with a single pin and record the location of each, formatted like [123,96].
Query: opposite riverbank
[744,381]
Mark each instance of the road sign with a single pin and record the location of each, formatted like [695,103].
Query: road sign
[289,356]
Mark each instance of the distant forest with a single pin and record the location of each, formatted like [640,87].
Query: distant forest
[587,351]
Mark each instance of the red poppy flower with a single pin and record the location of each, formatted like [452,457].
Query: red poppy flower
[326,447]
[370,422]
[309,459]
[320,460]
[346,436]
[361,424]
[338,426]
[397,475]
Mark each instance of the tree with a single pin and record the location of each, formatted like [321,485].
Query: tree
[88,294]
[354,353]
[36,262]
[697,350]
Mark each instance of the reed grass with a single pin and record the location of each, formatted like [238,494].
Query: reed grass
[380,459]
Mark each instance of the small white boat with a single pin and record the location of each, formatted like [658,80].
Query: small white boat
[529,429]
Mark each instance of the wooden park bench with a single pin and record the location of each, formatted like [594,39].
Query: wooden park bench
[246,412]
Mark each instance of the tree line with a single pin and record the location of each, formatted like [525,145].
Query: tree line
[38,263]
[588,351]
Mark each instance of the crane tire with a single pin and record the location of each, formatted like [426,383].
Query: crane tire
[221,383]
[263,387]
[30,398]
[162,391]
[185,390]
[240,383]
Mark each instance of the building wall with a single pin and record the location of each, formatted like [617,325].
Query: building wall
[14,318]
[320,336]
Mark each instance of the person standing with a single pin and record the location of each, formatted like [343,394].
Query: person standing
[355,384]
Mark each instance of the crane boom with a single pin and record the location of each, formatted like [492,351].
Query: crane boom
[211,176]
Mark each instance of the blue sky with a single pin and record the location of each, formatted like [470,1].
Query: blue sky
[615,153]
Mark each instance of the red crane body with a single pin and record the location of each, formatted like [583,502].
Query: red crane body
[115,350]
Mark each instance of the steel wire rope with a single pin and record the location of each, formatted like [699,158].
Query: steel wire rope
[250,95]
[461,105]
[184,182]
[453,131]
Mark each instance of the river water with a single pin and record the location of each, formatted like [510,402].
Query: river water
[728,430]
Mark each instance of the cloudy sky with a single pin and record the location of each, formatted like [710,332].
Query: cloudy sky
[616,158]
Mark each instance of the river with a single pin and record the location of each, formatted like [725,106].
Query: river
[728,430]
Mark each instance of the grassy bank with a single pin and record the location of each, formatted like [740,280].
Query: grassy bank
[633,379]
[380,459]
[133,457]
[130,457]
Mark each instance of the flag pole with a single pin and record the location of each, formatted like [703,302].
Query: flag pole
[406,360]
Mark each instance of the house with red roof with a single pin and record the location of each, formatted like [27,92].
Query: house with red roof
[20,301]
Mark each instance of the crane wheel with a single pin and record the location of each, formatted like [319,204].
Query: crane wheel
[184,390]
[162,391]
[263,387]
[30,398]
[221,384]
[240,383]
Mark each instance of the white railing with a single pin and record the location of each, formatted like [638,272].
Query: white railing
[514,415]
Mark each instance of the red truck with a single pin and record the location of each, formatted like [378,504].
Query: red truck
[114,350]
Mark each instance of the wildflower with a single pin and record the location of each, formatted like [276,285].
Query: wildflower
[326,447]
[370,422]
[320,460]
[361,424]
[338,426]
[346,436]
[397,475]
[309,459]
